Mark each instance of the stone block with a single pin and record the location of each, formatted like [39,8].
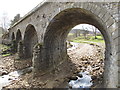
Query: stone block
[93,9]
[106,17]
[109,22]
[102,13]
[86,5]
[97,11]
[115,34]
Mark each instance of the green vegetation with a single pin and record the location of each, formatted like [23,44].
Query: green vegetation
[89,39]
[4,50]
[5,55]
[4,47]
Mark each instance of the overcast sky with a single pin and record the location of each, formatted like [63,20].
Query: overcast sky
[12,7]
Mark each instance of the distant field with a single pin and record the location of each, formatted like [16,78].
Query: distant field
[81,39]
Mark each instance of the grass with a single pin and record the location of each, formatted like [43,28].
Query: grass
[5,55]
[89,40]
[3,49]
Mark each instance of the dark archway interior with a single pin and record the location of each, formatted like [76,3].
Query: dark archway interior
[60,26]
[18,37]
[13,36]
[30,39]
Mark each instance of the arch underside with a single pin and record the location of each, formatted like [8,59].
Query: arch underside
[18,36]
[59,27]
[13,36]
[30,39]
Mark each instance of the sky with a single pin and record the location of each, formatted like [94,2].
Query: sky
[85,26]
[11,8]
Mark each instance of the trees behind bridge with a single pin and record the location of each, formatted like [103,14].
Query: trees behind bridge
[16,18]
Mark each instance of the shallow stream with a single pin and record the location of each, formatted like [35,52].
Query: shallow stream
[8,79]
[82,82]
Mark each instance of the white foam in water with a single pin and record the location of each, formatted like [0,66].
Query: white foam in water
[7,79]
[75,45]
[84,82]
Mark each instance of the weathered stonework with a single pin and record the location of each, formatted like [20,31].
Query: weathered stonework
[39,66]
[20,50]
[13,46]
[50,23]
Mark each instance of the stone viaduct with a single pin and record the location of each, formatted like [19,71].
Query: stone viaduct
[46,27]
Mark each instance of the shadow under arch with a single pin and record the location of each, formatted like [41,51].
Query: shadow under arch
[30,39]
[18,36]
[59,27]
[13,36]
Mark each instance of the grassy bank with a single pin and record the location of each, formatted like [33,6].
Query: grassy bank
[89,39]
[4,48]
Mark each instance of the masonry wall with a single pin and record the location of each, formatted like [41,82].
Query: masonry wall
[105,13]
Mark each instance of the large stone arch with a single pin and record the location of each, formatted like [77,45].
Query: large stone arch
[67,18]
[30,39]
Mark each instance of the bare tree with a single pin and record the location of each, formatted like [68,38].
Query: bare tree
[94,31]
[85,32]
[5,21]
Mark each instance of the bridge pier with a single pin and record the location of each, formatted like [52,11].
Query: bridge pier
[14,46]
[39,65]
[20,50]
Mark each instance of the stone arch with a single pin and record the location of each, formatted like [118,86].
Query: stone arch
[61,24]
[30,39]
[18,38]
[13,36]
[18,35]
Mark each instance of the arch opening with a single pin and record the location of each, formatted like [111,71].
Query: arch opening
[85,48]
[58,29]
[18,37]
[30,39]
[13,36]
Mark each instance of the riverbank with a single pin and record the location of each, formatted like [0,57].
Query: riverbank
[84,57]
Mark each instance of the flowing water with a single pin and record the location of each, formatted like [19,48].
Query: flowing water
[8,79]
[82,82]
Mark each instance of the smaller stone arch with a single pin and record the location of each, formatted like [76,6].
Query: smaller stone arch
[30,39]
[18,35]
[13,36]
[18,38]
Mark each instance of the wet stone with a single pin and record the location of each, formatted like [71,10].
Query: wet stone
[80,75]
[72,78]
[4,73]
[94,77]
